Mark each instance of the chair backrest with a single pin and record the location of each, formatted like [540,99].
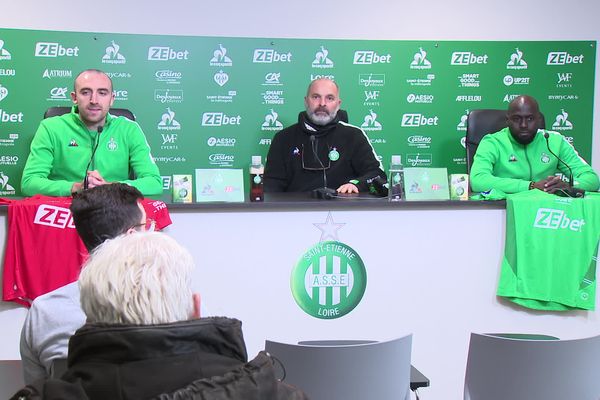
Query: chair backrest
[11,378]
[500,368]
[480,123]
[117,112]
[347,370]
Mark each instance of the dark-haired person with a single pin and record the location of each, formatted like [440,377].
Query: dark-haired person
[319,141]
[517,158]
[62,146]
[100,213]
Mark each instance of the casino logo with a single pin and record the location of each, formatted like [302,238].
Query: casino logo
[330,278]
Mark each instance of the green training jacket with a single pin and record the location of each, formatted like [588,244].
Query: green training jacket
[62,147]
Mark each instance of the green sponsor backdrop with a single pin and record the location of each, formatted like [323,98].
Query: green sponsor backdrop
[208,102]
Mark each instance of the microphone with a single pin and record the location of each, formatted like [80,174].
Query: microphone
[570,191]
[324,192]
[85,179]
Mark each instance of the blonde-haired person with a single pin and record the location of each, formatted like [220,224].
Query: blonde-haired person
[144,339]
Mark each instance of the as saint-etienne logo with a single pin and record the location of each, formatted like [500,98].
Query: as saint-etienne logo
[330,278]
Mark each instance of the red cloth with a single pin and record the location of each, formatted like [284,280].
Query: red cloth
[43,250]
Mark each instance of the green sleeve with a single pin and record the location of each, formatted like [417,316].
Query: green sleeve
[584,176]
[482,172]
[39,165]
[147,177]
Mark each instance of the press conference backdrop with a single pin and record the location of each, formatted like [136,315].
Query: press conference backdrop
[213,102]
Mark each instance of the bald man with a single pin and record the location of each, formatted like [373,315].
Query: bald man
[63,146]
[517,158]
[320,142]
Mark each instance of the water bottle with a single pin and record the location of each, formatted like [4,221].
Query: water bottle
[257,169]
[396,180]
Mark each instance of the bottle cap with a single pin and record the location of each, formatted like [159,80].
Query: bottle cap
[396,159]
[256,160]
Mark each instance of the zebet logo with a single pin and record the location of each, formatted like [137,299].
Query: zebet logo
[157,53]
[563,58]
[417,120]
[268,56]
[56,217]
[550,218]
[329,280]
[45,49]
[219,119]
[362,57]
[467,58]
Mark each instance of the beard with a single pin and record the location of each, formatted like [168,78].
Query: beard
[321,116]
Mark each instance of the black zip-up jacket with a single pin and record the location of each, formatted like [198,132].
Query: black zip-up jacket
[343,150]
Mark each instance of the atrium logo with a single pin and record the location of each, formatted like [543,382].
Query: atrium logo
[420,60]
[516,60]
[322,59]
[220,58]
[330,278]
[57,73]
[112,55]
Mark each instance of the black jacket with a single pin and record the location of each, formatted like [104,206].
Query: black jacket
[198,359]
[343,150]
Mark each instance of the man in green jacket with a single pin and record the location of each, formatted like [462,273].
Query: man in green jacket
[518,158]
[63,146]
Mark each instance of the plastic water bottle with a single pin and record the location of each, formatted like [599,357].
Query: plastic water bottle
[257,169]
[396,180]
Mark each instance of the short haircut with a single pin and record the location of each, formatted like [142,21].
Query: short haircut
[96,71]
[104,212]
[143,278]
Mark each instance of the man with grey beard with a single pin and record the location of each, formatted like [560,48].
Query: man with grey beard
[320,150]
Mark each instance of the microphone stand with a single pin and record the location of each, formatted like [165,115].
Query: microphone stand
[570,191]
[324,192]
[97,141]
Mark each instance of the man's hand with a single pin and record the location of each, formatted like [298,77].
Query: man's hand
[95,179]
[551,184]
[347,188]
[77,187]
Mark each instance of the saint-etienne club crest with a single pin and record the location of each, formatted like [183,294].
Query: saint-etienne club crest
[330,278]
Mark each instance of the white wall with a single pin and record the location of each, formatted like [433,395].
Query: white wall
[335,19]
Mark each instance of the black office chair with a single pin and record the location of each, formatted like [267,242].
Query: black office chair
[480,123]
[117,112]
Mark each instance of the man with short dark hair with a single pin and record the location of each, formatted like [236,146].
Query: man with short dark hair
[63,146]
[518,158]
[101,213]
[320,144]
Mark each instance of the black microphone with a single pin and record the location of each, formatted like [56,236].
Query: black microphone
[570,191]
[85,179]
[324,192]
